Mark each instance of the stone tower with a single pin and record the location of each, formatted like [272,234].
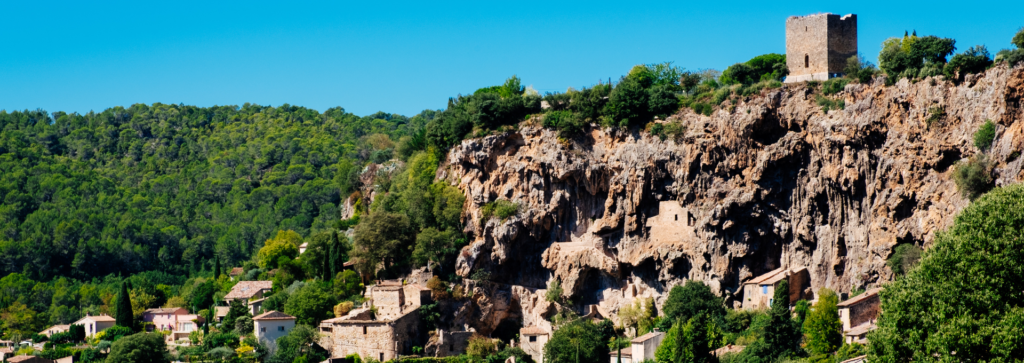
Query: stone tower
[817,46]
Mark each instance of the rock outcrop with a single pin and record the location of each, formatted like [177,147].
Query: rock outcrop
[768,181]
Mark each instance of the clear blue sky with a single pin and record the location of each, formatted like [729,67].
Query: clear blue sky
[399,57]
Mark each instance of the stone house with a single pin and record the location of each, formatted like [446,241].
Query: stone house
[95,324]
[235,272]
[818,45]
[28,359]
[55,329]
[532,340]
[858,315]
[272,325]
[449,343]
[391,331]
[250,293]
[759,292]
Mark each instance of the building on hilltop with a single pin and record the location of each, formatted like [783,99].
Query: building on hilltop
[759,292]
[818,45]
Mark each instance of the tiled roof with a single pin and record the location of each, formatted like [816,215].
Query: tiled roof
[221,311]
[859,298]
[273,315]
[774,276]
[646,337]
[859,359]
[248,289]
[21,358]
[98,318]
[533,330]
[861,329]
[165,310]
[57,328]
[304,245]
[626,352]
[236,271]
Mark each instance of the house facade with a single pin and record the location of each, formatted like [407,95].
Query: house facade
[859,314]
[759,292]
[175,320]
[95,324]
[272,325]
[643,347]
[55,329]
[532,340]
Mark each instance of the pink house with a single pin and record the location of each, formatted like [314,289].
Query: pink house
[176,320]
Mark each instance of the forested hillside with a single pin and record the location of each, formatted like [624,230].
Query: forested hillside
[165,187]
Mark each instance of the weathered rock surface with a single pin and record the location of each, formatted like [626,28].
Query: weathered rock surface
[772,182]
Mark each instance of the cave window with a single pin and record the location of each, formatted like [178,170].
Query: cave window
[381,357]
[689,219]
[677,217]
[451,347]
[807,61]
[364,330]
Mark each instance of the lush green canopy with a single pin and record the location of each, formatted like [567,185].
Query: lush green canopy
[966,296]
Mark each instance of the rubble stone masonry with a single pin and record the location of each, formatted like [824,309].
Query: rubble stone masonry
[819,45]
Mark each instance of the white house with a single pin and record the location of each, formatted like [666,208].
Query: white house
[272,325]
[643,348]
[95,324]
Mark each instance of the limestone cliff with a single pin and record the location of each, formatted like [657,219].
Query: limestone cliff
[774,181]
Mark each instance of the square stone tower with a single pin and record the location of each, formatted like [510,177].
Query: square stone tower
[817,46]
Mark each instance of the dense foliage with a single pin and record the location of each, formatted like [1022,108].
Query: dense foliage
[577,341]
[766,67]
[965,297]
[692,299]
[915,57]
[139,348]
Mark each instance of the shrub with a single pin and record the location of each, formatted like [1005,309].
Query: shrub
[499,208]
[973,60]
[628,103]
[674,129]
[1018,39]
[860,69]
[935,114]
[829,104]
[566,122]
[764,67]
[342,309]
[974,177]
[142,347]
[554,293]
[662,100]
[480,346]
[904,257]
[834,85]
[720,96]
[985,135]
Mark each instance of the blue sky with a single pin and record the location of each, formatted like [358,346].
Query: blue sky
[405,57]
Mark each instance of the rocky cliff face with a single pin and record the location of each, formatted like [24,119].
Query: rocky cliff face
[617,214]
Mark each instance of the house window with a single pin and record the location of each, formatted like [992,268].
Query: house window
[364,330]
[807,61]
[533,338]
[280,328]
[263,329]
[764,289]
[677,217]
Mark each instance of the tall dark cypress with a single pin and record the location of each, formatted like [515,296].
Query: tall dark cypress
[325,272]
[216,267]
[335,253]
[124,307]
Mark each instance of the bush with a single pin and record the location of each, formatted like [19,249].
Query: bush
[554,293]
[985,135]
[499,208]
[974,177]
[904,257]
[860,69]
[974,60]
[935,114]
[764,67]
[829,104]
[139,348]
[566,122]
[628,103]
[834,85]
[1018,39]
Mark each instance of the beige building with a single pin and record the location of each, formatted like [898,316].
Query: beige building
[818,45]
[55,329]
[246,290]
[95,324]
[859,314]
[391,331]
[532,340]
[622,356]
[272,325]
[759,292]
[644,346]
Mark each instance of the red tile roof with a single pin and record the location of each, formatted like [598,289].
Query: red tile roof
[646,337]
[533,330]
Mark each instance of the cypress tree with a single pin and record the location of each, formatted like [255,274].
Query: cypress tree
[325,272]
[216,267]
[124,307]
[334,254]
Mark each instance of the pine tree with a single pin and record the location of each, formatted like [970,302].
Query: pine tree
[124,307]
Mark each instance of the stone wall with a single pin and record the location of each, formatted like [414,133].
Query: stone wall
[864,312]
[381,340]
[818,45]
[389,301]
[449,343]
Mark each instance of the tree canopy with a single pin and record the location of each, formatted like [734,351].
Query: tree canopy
[965,297]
